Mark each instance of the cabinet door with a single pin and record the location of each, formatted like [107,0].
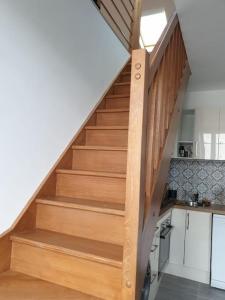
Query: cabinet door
[218,246]
[207,132]
[221,141]
[198,240]
[154,254]
[177,236]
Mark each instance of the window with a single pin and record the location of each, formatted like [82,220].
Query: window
[152,26]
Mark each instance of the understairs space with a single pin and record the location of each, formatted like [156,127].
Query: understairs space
[176,288]
[16,286]
[69,246]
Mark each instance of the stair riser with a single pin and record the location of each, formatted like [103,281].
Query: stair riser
[127,68]
[125,78]
[98,160]
[113,119]
[90,277]
[117,103]
[81,223]
[102,137]
[91,187]
[121,89]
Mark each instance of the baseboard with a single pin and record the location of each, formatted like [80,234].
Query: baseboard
[188,273]
[218,284]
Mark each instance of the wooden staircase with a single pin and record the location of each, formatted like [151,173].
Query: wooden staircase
[78,238]
[90,226]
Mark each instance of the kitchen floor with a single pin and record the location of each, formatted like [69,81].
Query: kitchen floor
[176,288]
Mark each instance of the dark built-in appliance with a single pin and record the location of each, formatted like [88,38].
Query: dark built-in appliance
[164,248]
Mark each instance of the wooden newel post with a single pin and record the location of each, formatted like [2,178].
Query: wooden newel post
[135,183]
[136,25]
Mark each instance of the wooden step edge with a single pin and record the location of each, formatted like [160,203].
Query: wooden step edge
[66,251]
[106,127]
[98,148]
[112,110]
[122,83]
[90,173]
[19,286]
[117,96]
[80,206]
[126,73]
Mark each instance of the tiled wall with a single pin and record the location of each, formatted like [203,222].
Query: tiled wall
[198,176]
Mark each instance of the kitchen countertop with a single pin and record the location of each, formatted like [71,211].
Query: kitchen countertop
[214,208]
[165,209]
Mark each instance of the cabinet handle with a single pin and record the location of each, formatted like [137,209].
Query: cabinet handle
[188,221]
[187,228]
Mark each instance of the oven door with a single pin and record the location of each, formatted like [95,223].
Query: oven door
[164,250]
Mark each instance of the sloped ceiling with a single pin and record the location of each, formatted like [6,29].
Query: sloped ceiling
[203,27]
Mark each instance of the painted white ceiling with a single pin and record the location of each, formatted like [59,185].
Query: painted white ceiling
[203,27]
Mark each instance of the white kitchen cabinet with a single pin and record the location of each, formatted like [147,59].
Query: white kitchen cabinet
[210,133]
[207,128]
[221,146]
[185,134]
[187,125]
[154,261]
[198,240]
[190,246]
[177,236]
[202,133]
[218,246]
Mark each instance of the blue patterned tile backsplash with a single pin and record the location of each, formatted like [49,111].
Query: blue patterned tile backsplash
[205,177]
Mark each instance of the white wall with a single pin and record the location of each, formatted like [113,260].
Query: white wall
[205,99]
[56,60]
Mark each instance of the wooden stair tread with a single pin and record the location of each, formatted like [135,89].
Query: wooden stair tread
[17,286]
[117,96]
[75,246]
[112,110]
[106,127]
[103,148]
[84,204]
[90,173]
[122,83]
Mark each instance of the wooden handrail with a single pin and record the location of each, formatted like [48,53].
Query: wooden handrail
[158,82]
